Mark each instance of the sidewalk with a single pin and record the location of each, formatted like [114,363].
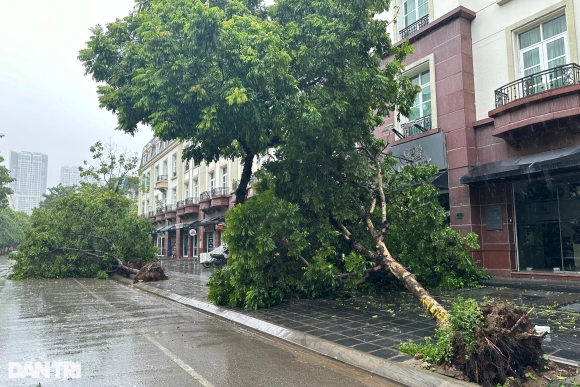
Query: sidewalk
[374,324]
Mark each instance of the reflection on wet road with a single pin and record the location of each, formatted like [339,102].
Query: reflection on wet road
[122,337]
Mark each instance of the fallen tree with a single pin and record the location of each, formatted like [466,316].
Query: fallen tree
[88,233]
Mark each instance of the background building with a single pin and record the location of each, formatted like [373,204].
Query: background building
[70,176]
[499,113]
[186,202]
[30,173]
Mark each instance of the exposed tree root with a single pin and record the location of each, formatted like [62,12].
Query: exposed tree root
[150,272]
[506,346]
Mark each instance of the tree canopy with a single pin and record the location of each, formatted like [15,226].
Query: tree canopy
[228,77]
[83,234]
[54,193]
[4,180]
[12,226]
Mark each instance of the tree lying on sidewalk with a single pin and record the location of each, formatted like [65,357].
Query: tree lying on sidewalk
[84,234]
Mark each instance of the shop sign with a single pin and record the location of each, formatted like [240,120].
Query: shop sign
[428,150]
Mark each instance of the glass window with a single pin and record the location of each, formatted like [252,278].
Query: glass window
[211,181]
[185,238]
[156,172]
[224,177]
[543,47]
[548,224]
[174,196]
[186,190]
[165,167]
[422,106]
[195,189]
[414,10]
[174,164]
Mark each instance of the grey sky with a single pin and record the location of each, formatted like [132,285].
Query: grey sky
[47,105]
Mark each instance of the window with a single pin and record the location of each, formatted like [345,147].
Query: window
[164,198]
[165,167]
[186,190]
[195,189]
[195,245]
[224,177]
[156,172]
[186,165]
[174,196]
[542,48]
[211,181]
[174,164]
[414,10]
[185,241]
[421,110]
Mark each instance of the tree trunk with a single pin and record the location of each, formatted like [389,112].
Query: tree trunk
[242,190]
[408,279]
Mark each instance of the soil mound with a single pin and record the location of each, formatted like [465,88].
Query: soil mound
[506,346]
[150,272]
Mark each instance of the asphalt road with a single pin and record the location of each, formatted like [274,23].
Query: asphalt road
[118,336]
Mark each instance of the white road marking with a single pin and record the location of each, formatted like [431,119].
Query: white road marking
[203,381]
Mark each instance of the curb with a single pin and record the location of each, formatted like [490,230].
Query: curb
[394,372]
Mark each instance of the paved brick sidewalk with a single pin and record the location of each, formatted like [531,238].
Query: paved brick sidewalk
[375,324]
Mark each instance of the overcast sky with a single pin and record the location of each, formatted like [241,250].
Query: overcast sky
[47,105]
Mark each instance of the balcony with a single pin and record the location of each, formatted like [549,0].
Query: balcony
[413,127]
[191,207]
[537,104]
[546,80]
[170,211]
[160,214]
[214,199]
[412,28]
[161,183]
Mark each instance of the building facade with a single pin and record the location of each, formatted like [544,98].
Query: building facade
[186,202]
[499,112]
[29,170]
[70,176]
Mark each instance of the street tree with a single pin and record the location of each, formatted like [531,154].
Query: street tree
[4,180]
[54,193]
[12,226]
[226,77]
[111,169]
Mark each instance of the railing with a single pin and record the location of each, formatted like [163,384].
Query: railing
[180,203]
[161,177]
[414,127]
[151,213]
[411,28]
[170,207]
[205,195]
[193,200]
[219,191]
[568,74]
[160,210]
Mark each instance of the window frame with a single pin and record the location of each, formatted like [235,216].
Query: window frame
[420,66]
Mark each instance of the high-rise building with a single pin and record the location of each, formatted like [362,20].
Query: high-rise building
[29,170]
[70,176]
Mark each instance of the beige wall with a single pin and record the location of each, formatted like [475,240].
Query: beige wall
[495,58]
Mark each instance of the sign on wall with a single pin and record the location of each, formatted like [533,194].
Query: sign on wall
[428,150]
[493,218]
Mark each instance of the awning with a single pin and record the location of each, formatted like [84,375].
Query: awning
[210,221]
[440,180]
[192,224]
[560,159]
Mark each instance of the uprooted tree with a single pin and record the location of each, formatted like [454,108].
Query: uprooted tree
[233,79]
[89,231]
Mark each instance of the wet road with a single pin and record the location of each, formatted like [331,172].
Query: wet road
[123,337]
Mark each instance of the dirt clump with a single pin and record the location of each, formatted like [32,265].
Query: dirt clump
[506,347]
[150,272]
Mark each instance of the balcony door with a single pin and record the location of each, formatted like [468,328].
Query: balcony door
[542,48]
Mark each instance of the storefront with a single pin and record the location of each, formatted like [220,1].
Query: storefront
[530,207]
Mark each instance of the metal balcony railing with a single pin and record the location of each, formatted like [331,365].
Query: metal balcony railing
[411,28]
[218,191]
[160,210]
[414,127]
[180,203]
[161,177]
[205,195]
[170,207]
[192,200]
[565,75]
[151,213]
